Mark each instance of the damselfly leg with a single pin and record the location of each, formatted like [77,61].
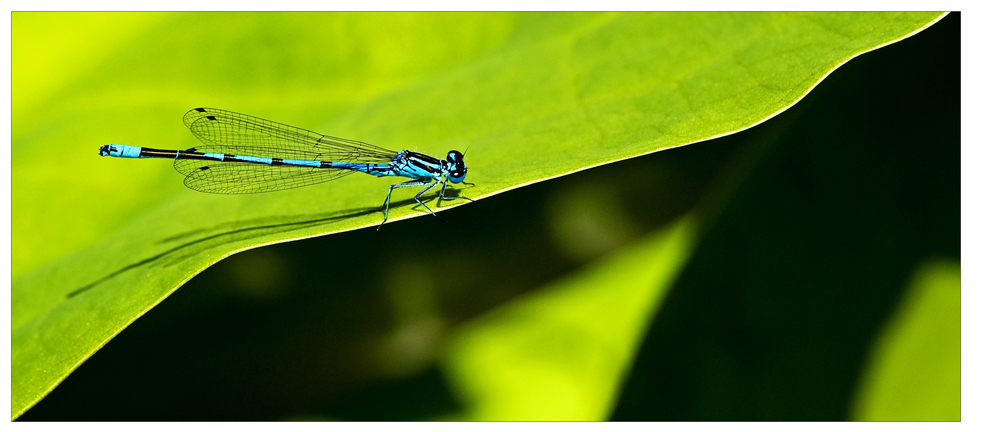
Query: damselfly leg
[430,185]
[442,197]
[385,213]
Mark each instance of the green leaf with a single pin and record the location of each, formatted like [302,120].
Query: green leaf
[532,96]
[560,353]
[915,369]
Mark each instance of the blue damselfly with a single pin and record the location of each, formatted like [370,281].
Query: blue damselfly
[244,154]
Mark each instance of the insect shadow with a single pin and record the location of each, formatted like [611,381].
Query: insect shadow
[237,231]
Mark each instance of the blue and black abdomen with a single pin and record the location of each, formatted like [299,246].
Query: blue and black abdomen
[241,174]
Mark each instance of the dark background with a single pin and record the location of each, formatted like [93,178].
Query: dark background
[813,222]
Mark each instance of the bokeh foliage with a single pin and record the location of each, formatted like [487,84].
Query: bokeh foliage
[534,95]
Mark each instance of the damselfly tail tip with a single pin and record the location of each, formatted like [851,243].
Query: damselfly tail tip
[105,150]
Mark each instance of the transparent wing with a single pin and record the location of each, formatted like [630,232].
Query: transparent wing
[247,178]
[233,133]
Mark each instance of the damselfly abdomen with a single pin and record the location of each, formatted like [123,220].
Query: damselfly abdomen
[244,154]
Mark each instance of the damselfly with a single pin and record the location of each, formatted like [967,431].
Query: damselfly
[245,154]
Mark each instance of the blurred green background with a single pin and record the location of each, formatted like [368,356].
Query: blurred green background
[808,270]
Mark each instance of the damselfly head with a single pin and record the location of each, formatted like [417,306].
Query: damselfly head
[456,166]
